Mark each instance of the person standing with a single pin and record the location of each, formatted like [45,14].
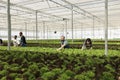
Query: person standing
[64,43]
[1,42]
[22,40]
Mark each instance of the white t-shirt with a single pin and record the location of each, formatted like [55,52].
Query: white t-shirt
[16,42]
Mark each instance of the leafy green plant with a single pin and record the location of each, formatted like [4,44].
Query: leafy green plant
[18,78]
[89,75]
[48,75]
[33,68]
[44,70]
[3,78]
[32,63]
[3,73]
[109,68]
[64,77]
[107,76]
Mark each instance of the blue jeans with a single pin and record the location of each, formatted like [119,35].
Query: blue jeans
[23,45]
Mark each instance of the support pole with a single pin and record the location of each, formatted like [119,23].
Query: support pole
[72,21]
[93,26]
[9,24]
[25,29]
[81,30]
[63,30]
[106,27]
[66,28]
[47,31]
[36,25]
[43,29]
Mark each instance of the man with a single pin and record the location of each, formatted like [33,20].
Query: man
[22,40]
[64,43]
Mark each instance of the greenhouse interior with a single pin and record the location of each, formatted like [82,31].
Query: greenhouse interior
[59,39]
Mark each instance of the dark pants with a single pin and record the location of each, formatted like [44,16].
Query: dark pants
[23,45]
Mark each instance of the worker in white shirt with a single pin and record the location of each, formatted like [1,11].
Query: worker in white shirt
[15,41]
[1,42]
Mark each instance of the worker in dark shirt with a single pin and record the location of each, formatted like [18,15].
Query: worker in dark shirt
[22,40]
[64,43]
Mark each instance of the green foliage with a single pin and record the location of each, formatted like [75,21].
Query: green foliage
[57,71]
[48,75]
[69,73]
[32,63]
[44,70]
[109,68]
[13,76]
[3,73]
[33,68]
[3,78]
[89,75]
[18,79]
[107,76]
[64,77]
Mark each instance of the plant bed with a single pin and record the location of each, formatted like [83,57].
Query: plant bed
[49,64]
[72,45]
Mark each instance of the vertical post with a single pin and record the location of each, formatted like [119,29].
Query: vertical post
[33,33]
[93,26]
[63,30]
[81,30]
[47,32]
[36,25]
[43,29]
[72,21]
[106,27]
[66,28]
[9,24]
[25,29]
[109,34]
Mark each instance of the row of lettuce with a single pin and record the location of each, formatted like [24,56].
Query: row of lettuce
[114,46]
[76,41]
[49,64]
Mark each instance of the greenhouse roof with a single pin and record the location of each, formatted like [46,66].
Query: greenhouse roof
[59,10]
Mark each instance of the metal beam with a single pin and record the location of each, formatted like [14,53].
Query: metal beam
[70,8]
[81,9]
[81,30]
[72,22]
[65,6]
[36,25]
[93,26]
[44,29]
[66,28]
[106,27]
[9,24]
[47,31]
[26,29]
[32,10]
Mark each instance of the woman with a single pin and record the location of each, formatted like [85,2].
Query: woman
[87,44]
